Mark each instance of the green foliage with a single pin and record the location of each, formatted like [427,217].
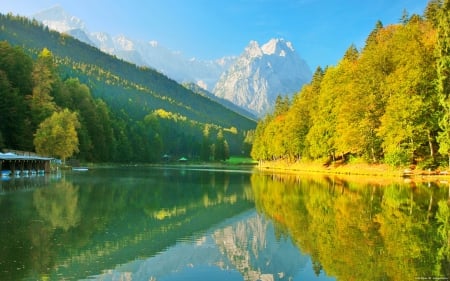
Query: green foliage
[443,231]
[44,78]
[443,74]
[113,99]
[57,135]
[379,104]
[15,84]
[397,157]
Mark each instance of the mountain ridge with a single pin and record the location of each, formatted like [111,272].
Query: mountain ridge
[252,81]
[204,73]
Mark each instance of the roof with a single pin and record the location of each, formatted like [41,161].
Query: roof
[13,156]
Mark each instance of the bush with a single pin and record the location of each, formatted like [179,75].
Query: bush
[397,158]
[428,163]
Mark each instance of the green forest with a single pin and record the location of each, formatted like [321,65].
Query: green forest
[63,98]
[386,103]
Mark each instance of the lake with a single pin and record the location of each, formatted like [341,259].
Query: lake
[186,223]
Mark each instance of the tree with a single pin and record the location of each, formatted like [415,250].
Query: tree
[321,136]
[18,67]
[372,36]
[443,75]
[57,135]
[11,113]
[152,137]
[205,150]
[350,128]
[44,77]
[221,149]
[432,10]
[15,85]
[408,122]
[259,147]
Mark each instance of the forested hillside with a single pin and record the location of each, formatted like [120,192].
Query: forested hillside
[386,103]
[126,113]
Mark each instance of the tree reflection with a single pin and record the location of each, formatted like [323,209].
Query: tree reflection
[82,224]
[58,205]
[361,231]
[443,230]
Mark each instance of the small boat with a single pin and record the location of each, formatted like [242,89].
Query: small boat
[6,173]
[80,169]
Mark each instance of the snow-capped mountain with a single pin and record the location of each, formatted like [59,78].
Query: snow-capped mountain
[204,73]
[251,81]
[58,19]
[260,74]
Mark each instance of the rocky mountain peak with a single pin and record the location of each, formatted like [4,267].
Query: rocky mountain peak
[252,81]
[260,74]
[58,19]
[278,47]
[253,50]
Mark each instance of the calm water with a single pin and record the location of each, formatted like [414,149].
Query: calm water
[192,224]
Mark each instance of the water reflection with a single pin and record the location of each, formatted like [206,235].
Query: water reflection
[170,224]
[362,231]
[242,248]
[86,223]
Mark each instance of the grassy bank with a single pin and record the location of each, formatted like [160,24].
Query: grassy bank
[357,168]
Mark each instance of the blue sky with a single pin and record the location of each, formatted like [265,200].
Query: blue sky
[320,30]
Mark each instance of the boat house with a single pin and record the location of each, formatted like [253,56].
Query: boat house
[11,163]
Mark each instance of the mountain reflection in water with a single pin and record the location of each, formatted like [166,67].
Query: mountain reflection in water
[241,248]
[185,224]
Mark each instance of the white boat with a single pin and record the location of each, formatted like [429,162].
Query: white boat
[80,169]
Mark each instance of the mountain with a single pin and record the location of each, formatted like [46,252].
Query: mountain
[251,81]
[136,97]
[228,104]
[204,73]
[260,74]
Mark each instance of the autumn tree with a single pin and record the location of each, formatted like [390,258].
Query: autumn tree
[298,118]
[409,121]
[321,135]
[57,135]
[260,147]
[443,75]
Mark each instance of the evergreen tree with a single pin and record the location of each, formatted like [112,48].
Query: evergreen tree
[221,149]
[44,78]
[206,144]
[443,75]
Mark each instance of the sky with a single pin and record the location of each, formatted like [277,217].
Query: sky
[320,30]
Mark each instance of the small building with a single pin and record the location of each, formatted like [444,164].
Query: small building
[21,164]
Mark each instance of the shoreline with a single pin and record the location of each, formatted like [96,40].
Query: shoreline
[357,169]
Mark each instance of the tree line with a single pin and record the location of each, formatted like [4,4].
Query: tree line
[42,112]
[116,102]
[386,103]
